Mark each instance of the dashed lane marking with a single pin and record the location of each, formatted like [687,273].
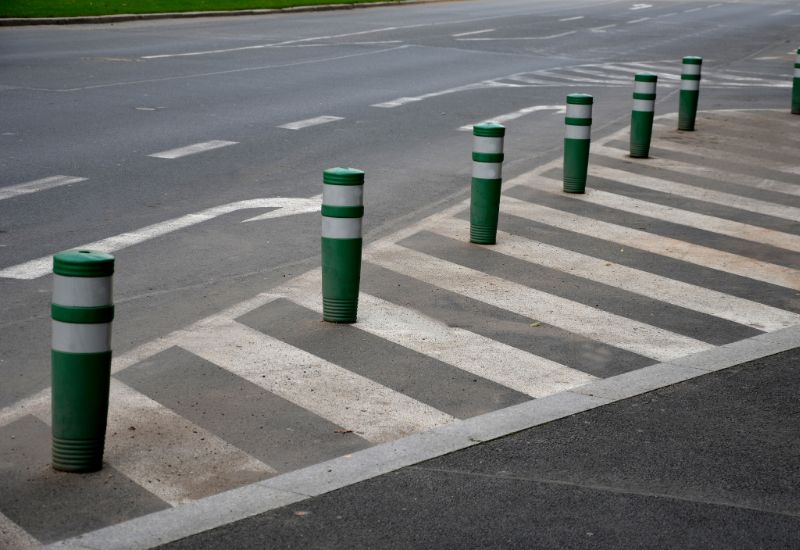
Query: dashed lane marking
[640,20]
[192,149]
[557,109]
[571,18]
[503,39]
[37,185]
[470,33]
[316,121]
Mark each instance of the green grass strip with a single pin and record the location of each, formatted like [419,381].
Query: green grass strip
[76,8]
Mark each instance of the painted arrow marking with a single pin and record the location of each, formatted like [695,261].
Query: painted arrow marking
[285,207]
[521,113]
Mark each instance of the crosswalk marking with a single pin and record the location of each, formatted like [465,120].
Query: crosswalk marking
[37,185]
[192,149]
[703,171]
[484,357]
[369,409]
[683,217]
[668,290]
[572,316]
[14,536]
[699,193]
[665,246]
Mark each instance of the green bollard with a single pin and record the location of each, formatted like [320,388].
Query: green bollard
[342,213]
[690,92]
[576,142]
[644,100]
[82,312]
[487,177]
[796,86]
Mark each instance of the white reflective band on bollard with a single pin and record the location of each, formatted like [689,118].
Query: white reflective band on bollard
[690,85]
[491,145]
[579,111]
[644,87]
[691,68]
[342,195]
[341,228]
[578,132]
[645,105]
[487,170]
[82,291]
[81,338]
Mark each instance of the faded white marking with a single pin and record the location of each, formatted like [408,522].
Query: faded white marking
[12,536]
[300,124]
[571,18]
[780,12]
[718,304]
[37,185]
[603,28]
[692,10]
[572,316]
[558,109]
[548,37]
[371,410]
[289,206]
[470,33]
[476,354]
[690,191]
[192,149]
[640,7]
[640,20]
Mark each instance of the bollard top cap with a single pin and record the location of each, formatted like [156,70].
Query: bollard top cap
[645,77]
[489,129]
[343,176]
[580,99]
[83,263]
[692,60]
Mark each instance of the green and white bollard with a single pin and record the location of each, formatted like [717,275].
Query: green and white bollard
[576,142]
[342,213]
[690,92]
[487,178]
[82,312]
[644,100]
[796,86]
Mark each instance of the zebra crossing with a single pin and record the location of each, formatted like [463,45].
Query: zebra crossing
[577,288]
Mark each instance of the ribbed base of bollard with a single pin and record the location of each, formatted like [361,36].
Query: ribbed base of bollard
[686,125]
[574,185]
[640,152]
[483,234]
[338,310]
[78,455]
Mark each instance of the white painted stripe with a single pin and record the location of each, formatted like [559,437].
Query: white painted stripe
[471,33]
[81,338]
[571,18]
[704,171]
[690,85]
[37,185]
[678,293]
[487,170]
[300,124]
[713,6]
[669,14]
[780,12]
[491,145]
[82,291]
[342,195]
[168,455]
[371,410]
[192,149]
[288,206]
[603,28]
[578,132]
[684,217]
[690,191]
[513,38]
[399,102]
[640,20]
[664,246]
[571,316]
[518,114]
[341,228]
[692,10]
[644,105]
[12,536]
[476,354]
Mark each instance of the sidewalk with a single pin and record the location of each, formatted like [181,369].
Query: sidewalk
[708,463]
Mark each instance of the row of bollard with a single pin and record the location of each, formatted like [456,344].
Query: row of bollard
[82,308]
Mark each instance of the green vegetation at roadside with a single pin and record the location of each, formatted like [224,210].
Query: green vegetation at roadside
[74,8]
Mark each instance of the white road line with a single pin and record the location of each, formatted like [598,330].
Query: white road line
[718,304]
[373,411]
[704,171]
[692,10]
[37,185]
[518,114]
[471,33]
[399,102]
[14,536]
[476,354]
[664,246]
[690,191]
[640,20]
[678,216]
[548,37]
[572,316]
[640,7]
[571,18]
[603,28]
[170,456]
[668,14]
[780,12]
[288,206]
[192,149]
[713,6]
[300,124]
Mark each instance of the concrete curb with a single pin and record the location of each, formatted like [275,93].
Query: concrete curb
[124,17]
[215,511]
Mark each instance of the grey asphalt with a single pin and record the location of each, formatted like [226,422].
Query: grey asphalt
[708,463]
